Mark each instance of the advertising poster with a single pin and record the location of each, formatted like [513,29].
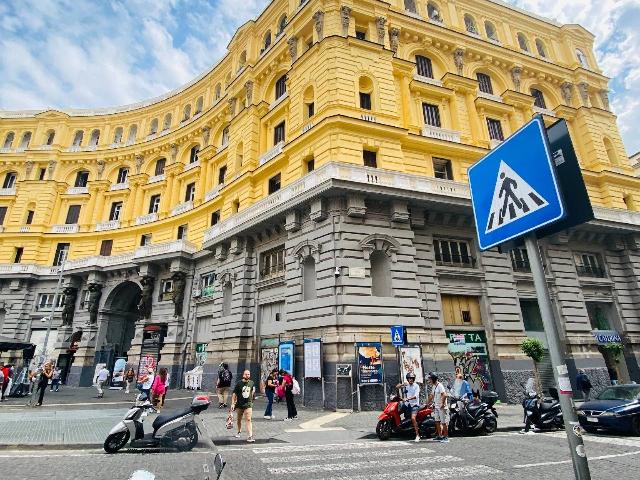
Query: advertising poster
[312,358]
[268,361]
[285,361]
[411,361]
[201,354]
[369,363]
[146,362]
[117,380]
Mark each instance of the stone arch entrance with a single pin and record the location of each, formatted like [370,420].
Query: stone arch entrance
[120,314]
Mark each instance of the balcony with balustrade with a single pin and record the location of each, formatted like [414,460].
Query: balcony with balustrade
[441,134]
[148,218]
[7,192]
[66,228]
[271,154]
[77,190]
[119,186]
[110,225]
[427,80]
[182,208]
[322,177]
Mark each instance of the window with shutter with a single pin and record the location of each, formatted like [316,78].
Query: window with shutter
[484,83]
[495,129]
[424,66]
[431,114]
[278,133]
[105,248]
[73,214]
[442,169]
[369,159]
[365,101]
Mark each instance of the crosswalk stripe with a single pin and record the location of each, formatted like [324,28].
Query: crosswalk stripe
[340,467]
[623,442]
[445,472]
[329,446]
[336,456]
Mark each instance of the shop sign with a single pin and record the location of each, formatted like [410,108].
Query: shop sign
[604,337]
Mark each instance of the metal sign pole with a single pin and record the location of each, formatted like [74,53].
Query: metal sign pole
[571,425]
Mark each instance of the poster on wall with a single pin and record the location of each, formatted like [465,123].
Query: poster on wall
[117,380]
[268,361]
[147,361]
[370,370]
[312,358]
[411,361]
[201,354]
[286,358]
[470,357]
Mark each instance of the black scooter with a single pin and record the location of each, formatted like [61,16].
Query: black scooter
[473,417]
[543,413]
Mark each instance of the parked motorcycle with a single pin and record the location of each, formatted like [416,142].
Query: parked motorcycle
[478,416]
[171,430]
[543,413]
[391,420]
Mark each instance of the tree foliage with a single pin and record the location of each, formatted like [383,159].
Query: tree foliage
[533,348]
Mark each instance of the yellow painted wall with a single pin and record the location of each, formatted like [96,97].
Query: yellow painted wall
[329,71]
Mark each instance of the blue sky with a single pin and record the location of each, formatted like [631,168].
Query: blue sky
[73,53]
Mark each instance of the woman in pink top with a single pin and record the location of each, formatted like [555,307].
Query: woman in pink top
[287,382]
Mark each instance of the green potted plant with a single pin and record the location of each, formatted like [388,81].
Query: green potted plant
[534,349]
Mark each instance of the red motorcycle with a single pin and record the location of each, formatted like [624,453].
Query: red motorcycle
[391,421]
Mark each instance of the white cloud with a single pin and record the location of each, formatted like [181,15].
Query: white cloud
[67,53]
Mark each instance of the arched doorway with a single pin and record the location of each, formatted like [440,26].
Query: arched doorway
[120,313]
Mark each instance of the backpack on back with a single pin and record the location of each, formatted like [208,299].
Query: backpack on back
[296,387]
[225,377]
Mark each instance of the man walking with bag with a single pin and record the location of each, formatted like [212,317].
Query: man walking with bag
[242,403]
[103,375]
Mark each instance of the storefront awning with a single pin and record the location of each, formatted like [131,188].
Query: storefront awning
[8,343]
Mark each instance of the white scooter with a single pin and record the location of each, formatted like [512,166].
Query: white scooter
[171,430]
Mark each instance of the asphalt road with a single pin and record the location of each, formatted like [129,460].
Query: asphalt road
[312,452]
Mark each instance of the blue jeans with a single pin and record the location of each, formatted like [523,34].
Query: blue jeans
[269,410]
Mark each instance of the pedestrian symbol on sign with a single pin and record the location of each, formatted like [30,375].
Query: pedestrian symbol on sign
[396,336]
[513,198]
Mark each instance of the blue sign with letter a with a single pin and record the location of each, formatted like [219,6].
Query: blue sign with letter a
[514,189]
[397,335]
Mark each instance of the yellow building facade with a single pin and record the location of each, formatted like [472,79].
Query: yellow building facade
[416,89]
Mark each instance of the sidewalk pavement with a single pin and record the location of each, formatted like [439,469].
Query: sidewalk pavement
[79,420]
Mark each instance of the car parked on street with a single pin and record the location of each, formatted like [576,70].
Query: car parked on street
[617,408]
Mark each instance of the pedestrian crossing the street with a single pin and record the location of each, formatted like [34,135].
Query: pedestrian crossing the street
[370,460]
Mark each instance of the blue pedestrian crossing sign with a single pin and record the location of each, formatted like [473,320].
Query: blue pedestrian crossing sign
[398,336]
[514,188]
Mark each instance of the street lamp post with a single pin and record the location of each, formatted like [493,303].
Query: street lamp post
[56,294]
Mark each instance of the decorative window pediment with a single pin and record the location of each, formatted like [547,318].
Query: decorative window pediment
[379,241]
[307,248]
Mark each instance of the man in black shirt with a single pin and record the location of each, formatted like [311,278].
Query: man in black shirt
[242,403]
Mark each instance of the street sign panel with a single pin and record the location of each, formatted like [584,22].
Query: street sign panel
[398,337]
[514,188]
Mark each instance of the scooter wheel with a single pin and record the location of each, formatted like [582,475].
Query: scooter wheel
[116,441]
[490,424]
[383,429]
[192,441]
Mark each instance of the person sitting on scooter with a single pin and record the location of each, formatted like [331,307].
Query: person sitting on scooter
[462,390]
[411,402]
